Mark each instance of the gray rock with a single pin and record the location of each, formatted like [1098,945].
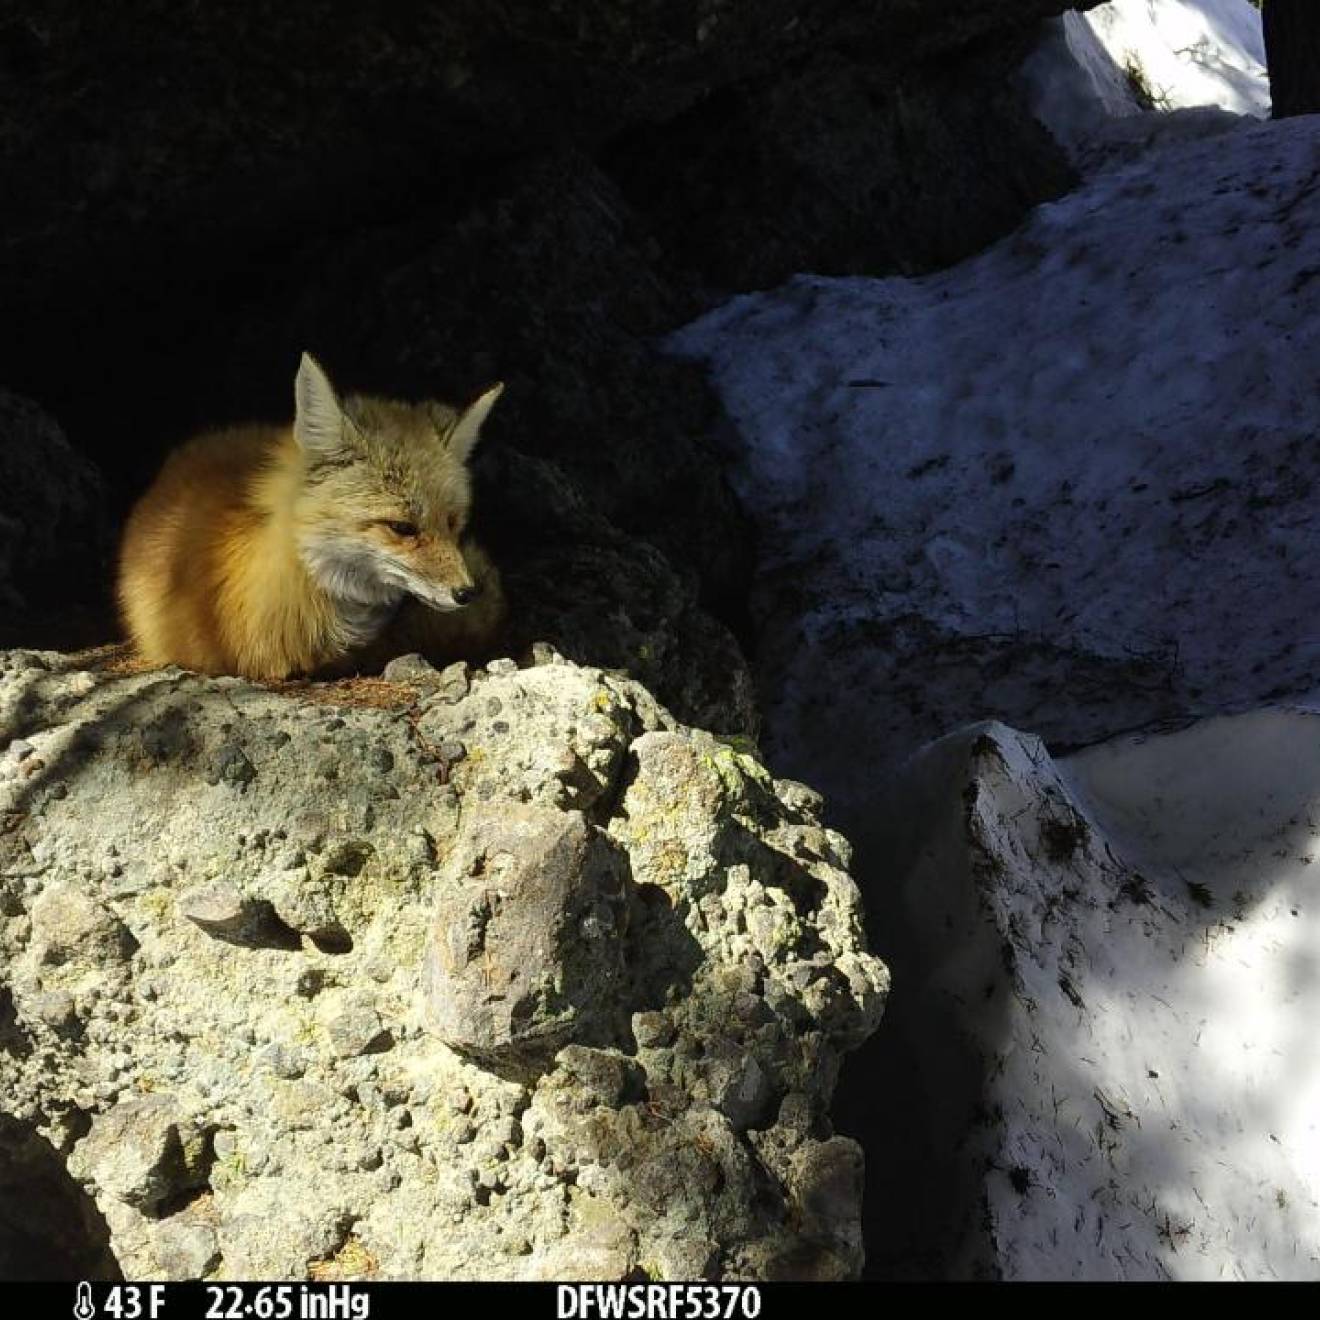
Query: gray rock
[284,1061]
[584,884]
[602,1246]
[357,1029]
[56,1008]
[826,1181]
[526,952]
[69,925]
[217,907]
[412,668]
[306,905]
[143,1151]
[741,1091]
[222,911]
[185,1250]
[455,680]
[231,766]
[275,1239]
[600,1077]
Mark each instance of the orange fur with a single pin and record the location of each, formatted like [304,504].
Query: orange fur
[214,571]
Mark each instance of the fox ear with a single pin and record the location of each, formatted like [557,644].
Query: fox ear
[318,423]
[467,430]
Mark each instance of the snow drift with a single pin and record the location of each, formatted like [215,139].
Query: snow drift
[1125,944]
[1069,484]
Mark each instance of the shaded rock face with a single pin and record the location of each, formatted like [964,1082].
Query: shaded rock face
[166,110]
[50,1228]
[519,978]
[54,529]
[446,195]
[846,165]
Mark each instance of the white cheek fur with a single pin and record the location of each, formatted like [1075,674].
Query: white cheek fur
[352,571]
[368,582]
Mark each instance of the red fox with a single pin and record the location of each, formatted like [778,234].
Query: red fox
[315,548]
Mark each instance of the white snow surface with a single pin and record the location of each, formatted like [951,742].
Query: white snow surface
[1070,483]
[1186,52]
[1083,90]
[1131,940]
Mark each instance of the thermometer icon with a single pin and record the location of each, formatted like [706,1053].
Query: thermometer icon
[83,1308]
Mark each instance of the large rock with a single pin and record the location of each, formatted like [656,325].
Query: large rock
[847,164]
[646,951]
[1110,1037]
[143,1152]
[167,110]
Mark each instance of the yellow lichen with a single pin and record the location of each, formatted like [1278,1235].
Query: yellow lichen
[351,1261]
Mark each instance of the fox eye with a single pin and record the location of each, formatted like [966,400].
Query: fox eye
[405,529]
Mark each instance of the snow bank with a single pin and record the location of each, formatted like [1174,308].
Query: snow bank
[1113,81]
[1133,55]
[1070,484]
[1125,943]
[1185,53]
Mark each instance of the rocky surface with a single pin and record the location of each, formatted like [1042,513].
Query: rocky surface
[515,977]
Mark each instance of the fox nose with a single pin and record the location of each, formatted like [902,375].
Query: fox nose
[465,595]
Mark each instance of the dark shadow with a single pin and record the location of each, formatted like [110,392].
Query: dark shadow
[13,1039]
[50,1229]
[333,940]
[257,926]
[662,954]
[913,1095]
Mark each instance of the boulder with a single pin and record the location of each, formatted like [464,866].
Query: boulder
[593,975]
[1109,1037]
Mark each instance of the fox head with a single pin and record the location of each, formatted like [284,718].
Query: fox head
[385,494]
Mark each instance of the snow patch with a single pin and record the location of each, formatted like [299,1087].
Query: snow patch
[1188,53]
[1128,941]
[1181,53]
[1070,483]
[1110,82]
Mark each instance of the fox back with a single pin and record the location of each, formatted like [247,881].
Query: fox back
[273,551]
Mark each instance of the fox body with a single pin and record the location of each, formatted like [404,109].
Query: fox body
[313,548]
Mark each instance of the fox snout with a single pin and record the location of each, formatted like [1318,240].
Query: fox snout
[439,576]
[442,596]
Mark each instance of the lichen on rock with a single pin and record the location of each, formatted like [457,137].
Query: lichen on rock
[519,978]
